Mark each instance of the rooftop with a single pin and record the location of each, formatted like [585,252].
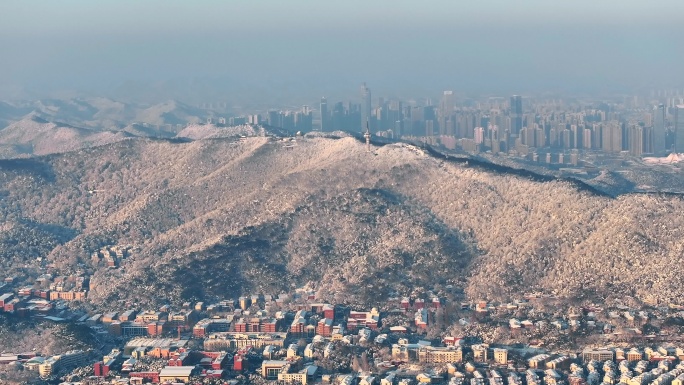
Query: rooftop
[180,371]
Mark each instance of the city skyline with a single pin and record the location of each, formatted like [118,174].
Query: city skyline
[524,127]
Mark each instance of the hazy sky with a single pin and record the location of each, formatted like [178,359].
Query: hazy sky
[283,50]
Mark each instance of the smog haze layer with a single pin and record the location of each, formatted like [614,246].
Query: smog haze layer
[276,52]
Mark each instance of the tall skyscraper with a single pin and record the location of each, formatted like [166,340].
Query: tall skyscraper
[446,112]
[516,114]
[366,110]
[679,128]
[446,107]
[659,129]
[325,118]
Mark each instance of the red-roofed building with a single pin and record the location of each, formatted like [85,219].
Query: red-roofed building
[5,298]
[151,376]
[220,362]
[358,320]
[101,370]
[325,327]
[436,303]
[156,328]
[12,305]
[179,359]
[238,363]
[262,325]
[451,341]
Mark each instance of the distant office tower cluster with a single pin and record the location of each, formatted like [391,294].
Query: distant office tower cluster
[236,120]
[610,136]
[301,120]
[390,117]
[500,124]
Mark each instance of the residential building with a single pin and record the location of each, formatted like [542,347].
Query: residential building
[67,360]
[290,375]
[430,355]
[480,352]
[501,356]
[256,324]
[597,354]
[562,362]
[634,355]
[325,327]
[359,319]
[232,340]
[538,361]
[309,351]
[271,368]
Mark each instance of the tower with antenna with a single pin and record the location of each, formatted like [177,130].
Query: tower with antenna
[367,135]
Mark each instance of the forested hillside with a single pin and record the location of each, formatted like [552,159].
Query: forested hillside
[225,216]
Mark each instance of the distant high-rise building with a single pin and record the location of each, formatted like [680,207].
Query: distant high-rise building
[596,136]
[429,127]
[679,128]
[586,138]
[274,118]
[659,129]
[398,128]
[479,135]
[447,105]
[611,137]
[325,118]
[494,138]
[516,114]
[566,138]
[288,120]
[636,140]
[417,120]
[648,140]
[446,112]
[303,119]
[529,120]
[366,107]
[575,136]
[527,136]
[338,117]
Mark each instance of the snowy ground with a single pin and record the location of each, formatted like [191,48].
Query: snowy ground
[670,159]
